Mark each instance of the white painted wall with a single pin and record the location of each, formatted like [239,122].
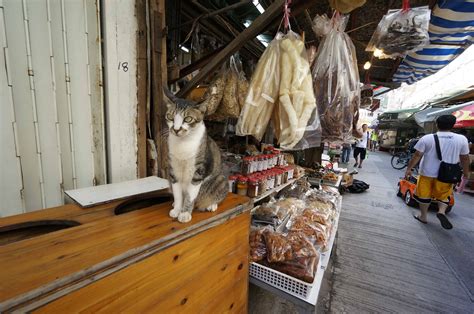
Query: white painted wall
[121,96]
[51,102]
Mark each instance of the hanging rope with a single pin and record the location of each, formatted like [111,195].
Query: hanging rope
[286,15]
[405,5]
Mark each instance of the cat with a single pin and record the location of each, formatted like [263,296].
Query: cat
[194,160]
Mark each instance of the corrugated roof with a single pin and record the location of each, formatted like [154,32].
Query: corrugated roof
[451,32]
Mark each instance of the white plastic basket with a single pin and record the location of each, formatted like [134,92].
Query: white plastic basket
[293,286]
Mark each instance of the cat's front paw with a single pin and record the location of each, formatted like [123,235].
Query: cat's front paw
[184,217]
[174,213]
[212,208]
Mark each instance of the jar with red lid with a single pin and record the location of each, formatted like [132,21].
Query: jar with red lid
[232,183]
[265,162]
[246,163]
[242,185]
[259,163]
[284,177]
[252,190]
[253,164]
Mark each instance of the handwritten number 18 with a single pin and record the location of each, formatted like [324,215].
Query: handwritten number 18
[124,66]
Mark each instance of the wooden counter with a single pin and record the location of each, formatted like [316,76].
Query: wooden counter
[140,261]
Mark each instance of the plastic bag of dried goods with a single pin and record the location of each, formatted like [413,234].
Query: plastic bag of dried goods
[258,248]
[262,93]
[401,32]
[336,80]
[299,120]
[215,92]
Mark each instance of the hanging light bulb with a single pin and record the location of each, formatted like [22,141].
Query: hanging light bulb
[367,65]
[378,53]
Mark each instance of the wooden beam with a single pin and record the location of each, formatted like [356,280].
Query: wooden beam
[223,22]
[142,85]
[249,33]
[216,12]
[158,80]
[196,65]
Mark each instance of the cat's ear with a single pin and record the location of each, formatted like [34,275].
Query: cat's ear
[202,106]
[168,98]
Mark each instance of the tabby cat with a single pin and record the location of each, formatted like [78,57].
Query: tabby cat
[195,170]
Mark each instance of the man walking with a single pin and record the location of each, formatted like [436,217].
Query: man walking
[360,149]
[454,149]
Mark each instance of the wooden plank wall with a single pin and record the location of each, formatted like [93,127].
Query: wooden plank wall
[51,102]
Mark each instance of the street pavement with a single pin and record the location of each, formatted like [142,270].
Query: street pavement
[386,261]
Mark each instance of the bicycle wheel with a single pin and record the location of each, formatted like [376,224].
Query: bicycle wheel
[399,161]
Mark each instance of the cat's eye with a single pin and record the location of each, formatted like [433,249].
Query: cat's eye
[169,116]
[188,119]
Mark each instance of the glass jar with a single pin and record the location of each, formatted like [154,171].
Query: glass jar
[284,177]
[232,183]
[259,163]
[246,163]
[263,184]
[252,190]
[264,162]
[291,171]
[270,180]
[253,164]
[278,176]
[242,185]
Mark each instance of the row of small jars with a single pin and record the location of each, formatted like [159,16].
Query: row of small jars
[252,164]
[258,183]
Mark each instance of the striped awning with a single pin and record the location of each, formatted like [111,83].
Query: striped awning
[451,32]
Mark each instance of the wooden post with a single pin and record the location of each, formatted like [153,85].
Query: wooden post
[142,72]
[159,79]
[240,40]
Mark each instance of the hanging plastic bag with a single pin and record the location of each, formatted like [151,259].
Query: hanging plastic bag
[262,93]
[215,92]
[336,79]
[299,120]
[230,107]
[401,32]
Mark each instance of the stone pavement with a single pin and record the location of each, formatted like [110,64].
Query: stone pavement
[386,261]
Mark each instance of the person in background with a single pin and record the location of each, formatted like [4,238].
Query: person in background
[374,139]
[360,150]
[346,152]
[462,184]
[454,149]
[411,143]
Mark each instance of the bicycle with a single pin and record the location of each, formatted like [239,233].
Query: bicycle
[400,160]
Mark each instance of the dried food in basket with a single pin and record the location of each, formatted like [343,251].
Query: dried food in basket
[315,216]
[258,248]
[331,177]
[303,268]
[268,213]
[316,233]
[296,190]
[290,205]
[285,247]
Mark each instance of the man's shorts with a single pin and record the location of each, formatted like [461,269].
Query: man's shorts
[360,151]
[428,189]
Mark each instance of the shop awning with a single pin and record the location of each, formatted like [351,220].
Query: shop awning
[400,115]
[449,110]
[465,117]
[451,31]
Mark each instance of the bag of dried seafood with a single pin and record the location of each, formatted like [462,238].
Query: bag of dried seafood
[336,79]
[401,32]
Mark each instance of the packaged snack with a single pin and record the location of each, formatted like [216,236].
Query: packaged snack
[258,248]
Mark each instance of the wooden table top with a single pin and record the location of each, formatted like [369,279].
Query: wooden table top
[55,260]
